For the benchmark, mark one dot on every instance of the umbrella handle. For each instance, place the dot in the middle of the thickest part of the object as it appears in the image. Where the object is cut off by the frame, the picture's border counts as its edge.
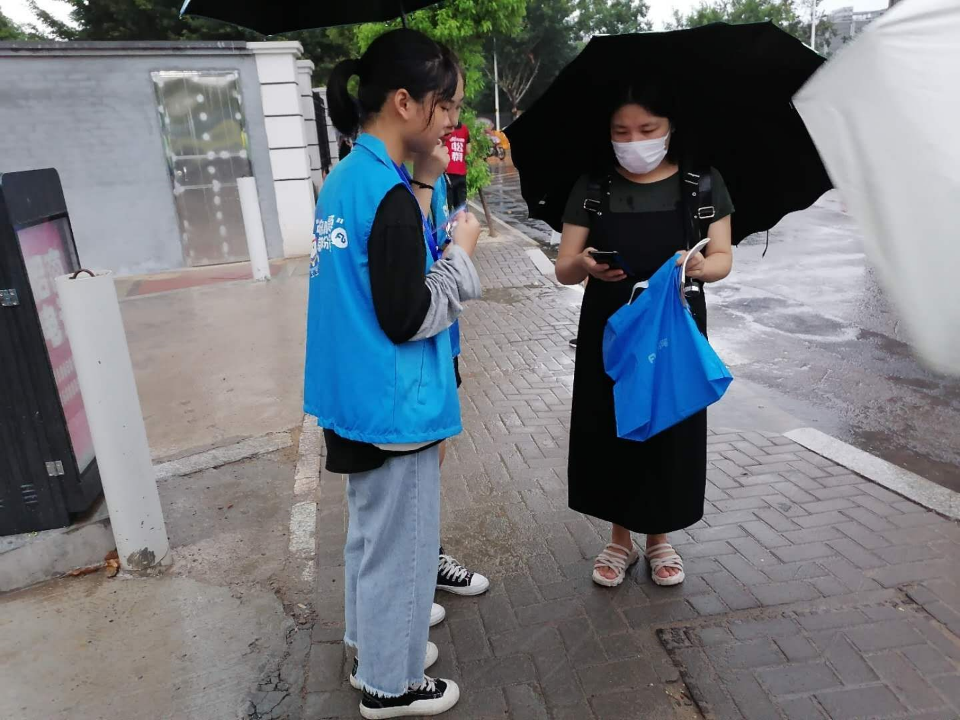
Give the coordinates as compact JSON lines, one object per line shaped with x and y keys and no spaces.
{"x":683,"y":269}
{"x":696,"y":248}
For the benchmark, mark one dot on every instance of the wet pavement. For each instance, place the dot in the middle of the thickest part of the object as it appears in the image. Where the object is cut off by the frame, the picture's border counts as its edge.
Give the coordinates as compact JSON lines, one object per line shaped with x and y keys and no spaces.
{"x":810,"y":325}
{"x":224,"y":632}
{"x":810,"y":592}
{"x":506,"y":203}
{"x":207,"y":640}
{"x":217,"y":359}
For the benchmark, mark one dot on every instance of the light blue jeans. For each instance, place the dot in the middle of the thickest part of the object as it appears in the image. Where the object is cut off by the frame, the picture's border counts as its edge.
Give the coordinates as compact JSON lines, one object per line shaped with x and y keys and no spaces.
{"x":390,"y":564}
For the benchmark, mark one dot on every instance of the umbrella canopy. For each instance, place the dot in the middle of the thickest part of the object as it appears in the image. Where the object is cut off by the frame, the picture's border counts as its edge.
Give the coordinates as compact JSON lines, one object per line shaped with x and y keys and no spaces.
{"x":271,"y":18}
{"x":885,"y":115}
{"x":731,"y":86}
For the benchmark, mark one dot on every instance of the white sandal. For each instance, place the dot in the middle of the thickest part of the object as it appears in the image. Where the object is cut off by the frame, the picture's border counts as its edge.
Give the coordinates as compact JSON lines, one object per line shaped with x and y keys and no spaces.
{"x":664,"y":556}
{"x":616,"y":561}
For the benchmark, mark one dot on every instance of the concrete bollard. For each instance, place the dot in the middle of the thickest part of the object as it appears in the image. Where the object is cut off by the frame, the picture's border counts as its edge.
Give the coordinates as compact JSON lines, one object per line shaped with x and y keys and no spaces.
{"x":91,"y":317}
{"x":253,"y":226}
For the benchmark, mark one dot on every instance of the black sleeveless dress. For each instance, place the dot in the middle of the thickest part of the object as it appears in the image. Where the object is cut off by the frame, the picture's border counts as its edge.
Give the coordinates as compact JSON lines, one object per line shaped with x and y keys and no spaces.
{"x":650,"y":487}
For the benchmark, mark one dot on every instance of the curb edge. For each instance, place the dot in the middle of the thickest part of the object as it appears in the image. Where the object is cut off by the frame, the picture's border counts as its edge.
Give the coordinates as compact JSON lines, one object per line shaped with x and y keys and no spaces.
{"x":913,"y":487}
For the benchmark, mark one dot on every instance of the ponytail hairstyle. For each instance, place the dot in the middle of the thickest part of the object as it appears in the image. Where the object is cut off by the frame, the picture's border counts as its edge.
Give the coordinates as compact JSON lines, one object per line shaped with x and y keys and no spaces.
{"x":400,"y":59}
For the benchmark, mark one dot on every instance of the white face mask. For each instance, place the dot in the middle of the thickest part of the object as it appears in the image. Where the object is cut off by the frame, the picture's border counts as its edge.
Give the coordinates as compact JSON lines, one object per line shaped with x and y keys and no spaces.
{"x":641,"y":156}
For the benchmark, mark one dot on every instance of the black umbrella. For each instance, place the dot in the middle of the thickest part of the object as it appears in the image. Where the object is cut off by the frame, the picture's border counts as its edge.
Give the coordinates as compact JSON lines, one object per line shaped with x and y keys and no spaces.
{"x":732,"y":87}
{"x":271,"y":18}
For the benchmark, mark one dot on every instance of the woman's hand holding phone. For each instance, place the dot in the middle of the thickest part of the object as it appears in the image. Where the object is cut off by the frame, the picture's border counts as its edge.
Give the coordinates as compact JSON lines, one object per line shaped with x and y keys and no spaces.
{"x":600,"y":271}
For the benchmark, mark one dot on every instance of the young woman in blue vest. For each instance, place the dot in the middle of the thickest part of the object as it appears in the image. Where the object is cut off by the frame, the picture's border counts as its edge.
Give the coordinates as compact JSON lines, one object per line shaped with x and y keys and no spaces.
{"x":379,"y":375}
{"x":452,"y":577}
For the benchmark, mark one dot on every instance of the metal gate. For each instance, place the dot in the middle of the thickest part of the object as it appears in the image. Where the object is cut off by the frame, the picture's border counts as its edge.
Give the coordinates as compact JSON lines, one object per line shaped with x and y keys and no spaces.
{"x":205,"y":142}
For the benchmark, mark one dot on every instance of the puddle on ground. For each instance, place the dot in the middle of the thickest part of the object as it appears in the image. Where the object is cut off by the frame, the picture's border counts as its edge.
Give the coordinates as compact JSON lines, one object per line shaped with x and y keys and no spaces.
{"x":514,"y":295}
{"x":502,"y":296}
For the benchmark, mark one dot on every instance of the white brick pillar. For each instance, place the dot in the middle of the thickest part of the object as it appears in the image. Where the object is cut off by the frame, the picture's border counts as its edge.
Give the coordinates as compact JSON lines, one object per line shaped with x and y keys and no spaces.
{"x":287,"y":140}
{"x":304,"y":77}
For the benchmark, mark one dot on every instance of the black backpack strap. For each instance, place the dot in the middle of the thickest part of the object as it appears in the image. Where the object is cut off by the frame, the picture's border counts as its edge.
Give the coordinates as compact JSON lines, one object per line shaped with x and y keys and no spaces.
{"x":697,"y":191}
{"x":597,"y":199}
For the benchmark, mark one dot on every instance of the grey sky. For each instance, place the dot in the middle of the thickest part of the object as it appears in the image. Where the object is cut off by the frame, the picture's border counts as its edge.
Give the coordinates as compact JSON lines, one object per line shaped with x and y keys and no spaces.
{"x":19,"y":11}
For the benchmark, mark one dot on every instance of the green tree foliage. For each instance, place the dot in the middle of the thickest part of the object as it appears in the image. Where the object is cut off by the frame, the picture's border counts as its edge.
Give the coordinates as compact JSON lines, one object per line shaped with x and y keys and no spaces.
{"x":826,"y":31}
{"x":779,"y":12}
{"x":463,"y":26}
{"x":9,"y":30}
{"x":325,"y":47}
{"x":531,"y":58}
{"x":133,"y":20}
{"x":478,"y":171}
{"x":611,"y":17}
{"x":551,"y":36}
{"x":793,"y":17}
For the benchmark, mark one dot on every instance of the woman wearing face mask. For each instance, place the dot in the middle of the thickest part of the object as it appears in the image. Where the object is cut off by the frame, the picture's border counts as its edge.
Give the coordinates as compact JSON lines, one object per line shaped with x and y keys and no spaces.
{"x":634,"y":207}
{"x":378,"y":374}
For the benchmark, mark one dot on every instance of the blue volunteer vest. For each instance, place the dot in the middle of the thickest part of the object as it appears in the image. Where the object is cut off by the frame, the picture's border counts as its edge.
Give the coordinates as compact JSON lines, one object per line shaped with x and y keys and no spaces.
{"x":357,"y":382}
{"x":440,"y":214}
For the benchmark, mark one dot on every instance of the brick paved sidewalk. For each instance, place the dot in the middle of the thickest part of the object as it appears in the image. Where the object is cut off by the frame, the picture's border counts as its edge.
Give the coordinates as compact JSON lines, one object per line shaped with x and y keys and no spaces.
{"x":810,"y":592}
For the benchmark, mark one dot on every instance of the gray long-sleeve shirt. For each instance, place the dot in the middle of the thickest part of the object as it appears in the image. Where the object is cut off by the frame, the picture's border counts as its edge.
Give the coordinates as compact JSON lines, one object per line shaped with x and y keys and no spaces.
{"x":410,"y":303}
{"x":452,"y":280}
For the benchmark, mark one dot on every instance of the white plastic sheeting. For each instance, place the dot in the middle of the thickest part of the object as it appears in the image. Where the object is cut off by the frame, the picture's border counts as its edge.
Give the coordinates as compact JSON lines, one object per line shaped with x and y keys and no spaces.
{"x":885,"y":116}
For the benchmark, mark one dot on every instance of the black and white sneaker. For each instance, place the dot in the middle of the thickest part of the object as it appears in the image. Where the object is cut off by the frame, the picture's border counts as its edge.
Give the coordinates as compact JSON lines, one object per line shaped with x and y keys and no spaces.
{"x":433,"y":652}
{"x":455,"y":578}
{"x":429,"y":697}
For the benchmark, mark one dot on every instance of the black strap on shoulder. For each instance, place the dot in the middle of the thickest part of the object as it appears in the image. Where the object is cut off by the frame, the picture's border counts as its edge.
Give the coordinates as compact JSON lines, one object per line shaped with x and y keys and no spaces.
{"x":592,"y":200}
{"x":597,"y":199}
{"x":696,"y":199}
{"x":696,"y":191}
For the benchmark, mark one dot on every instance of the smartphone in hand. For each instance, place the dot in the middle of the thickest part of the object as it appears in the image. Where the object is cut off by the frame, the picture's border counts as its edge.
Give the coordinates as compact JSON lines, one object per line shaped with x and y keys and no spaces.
{"x":453,"y":218}
{"x":611,"y":258}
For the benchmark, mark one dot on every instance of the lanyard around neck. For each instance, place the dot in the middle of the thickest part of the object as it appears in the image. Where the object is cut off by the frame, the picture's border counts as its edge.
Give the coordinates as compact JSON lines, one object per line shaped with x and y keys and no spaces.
{"x":428,"y":231}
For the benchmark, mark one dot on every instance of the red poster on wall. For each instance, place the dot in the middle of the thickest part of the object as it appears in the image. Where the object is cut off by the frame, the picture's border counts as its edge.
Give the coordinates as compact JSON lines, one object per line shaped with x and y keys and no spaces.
{"x":44,"y":249}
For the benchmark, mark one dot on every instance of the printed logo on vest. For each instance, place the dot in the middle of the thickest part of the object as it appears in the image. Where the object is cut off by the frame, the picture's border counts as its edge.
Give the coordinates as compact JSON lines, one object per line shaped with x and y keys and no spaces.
{"x":327,"y":234}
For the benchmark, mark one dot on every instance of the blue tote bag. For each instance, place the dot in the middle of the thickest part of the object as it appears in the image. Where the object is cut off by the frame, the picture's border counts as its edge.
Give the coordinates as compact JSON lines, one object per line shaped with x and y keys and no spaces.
{"x":663,"y":368}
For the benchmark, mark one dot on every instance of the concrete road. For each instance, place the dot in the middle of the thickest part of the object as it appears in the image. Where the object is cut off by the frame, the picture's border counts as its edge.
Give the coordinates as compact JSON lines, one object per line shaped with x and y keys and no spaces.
{"x":809,"y":325}
{"x":211,"y":639}
{"x":224,"y":633}
{"x":215,"y":361}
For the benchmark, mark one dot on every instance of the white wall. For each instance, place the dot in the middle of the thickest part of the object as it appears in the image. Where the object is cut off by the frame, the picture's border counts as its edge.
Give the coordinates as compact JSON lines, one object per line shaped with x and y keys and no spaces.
{"x":304,"y":76}
{"x":283,"y":111}
{"x":89,"y":110}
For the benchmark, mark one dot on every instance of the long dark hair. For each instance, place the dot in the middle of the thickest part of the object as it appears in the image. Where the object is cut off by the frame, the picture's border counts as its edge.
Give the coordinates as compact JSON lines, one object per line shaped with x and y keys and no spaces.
{"x":400,"y":59}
